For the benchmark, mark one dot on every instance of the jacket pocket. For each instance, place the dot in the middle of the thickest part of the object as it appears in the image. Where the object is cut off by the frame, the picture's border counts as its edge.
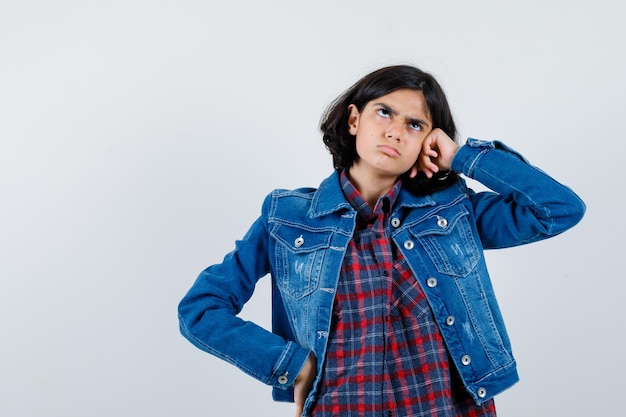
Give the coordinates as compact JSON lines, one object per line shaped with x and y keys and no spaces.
{"x":299,"y":258}
{"x":447,"y":238}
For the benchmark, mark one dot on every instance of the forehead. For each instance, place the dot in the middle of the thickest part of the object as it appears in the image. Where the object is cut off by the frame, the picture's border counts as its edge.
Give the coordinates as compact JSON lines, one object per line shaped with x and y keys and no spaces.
{"x":404,"y":100}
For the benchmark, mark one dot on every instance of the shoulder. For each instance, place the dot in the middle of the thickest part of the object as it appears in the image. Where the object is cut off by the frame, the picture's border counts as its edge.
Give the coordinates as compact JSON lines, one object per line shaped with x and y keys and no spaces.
{"x":285,"y":203}
{"x":294,"y":196}
{"x":325,"y":197}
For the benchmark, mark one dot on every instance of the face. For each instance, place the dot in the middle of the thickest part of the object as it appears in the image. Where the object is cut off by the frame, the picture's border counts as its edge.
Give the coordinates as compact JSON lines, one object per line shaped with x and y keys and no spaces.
{"x":389,"y":133}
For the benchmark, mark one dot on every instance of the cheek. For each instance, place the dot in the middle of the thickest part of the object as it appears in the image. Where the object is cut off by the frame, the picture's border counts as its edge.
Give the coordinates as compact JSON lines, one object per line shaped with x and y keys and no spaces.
{"x":412,"y":153}
{"x":364,"y":138}
{"x":358,"y":144}
{"x":416,"y":148}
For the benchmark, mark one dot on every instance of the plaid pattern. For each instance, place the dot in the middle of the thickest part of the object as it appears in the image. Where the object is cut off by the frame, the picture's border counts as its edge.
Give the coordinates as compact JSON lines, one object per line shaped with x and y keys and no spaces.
{"x":386,"y":356}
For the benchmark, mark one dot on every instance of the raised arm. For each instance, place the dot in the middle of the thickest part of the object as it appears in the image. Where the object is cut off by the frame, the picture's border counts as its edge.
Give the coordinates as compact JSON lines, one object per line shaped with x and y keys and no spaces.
{"x":526,"y":204}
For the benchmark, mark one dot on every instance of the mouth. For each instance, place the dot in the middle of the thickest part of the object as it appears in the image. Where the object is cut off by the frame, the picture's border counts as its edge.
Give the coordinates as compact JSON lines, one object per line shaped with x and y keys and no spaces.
{"x":389,"y":150}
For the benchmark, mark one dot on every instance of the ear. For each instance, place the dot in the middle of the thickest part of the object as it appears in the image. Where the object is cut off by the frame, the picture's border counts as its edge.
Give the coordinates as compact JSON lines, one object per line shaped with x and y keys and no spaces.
{"x":353,"y":119}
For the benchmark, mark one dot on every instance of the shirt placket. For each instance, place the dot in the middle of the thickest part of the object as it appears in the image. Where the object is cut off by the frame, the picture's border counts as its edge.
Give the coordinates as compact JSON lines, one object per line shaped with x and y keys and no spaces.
{"x":381,"y":247}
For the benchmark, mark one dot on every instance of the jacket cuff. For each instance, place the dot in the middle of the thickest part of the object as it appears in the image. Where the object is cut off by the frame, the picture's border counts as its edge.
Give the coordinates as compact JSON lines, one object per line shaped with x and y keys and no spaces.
{"x":289,"y":366}
{"x":469,"y":154}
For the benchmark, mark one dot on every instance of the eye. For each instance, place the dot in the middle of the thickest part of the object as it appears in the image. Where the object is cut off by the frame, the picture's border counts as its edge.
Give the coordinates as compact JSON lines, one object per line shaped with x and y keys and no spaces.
{"x":415,"y":126}
{"x":382,"y":112}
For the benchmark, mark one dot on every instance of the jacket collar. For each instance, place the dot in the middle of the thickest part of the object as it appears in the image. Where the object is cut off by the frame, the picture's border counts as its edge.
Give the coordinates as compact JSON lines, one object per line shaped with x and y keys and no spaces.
{"x":329,"y":198}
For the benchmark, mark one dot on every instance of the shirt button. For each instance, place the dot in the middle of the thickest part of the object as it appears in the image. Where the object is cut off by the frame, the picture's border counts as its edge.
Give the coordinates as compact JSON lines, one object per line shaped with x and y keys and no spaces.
{"x":482,"y":393}
{"x":408,"y":245}
{"x":395,"y":222}
{"x":450,"y":320}
{"x":431,"y":282}
{"x":441,"y":222}
{"x":466,"y":360}
{"x":298,"y":242}
{"x":283,"y":379}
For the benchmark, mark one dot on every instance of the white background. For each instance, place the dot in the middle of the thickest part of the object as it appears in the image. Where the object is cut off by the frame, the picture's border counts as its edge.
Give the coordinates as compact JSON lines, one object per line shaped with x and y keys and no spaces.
{"x":138,"y":138}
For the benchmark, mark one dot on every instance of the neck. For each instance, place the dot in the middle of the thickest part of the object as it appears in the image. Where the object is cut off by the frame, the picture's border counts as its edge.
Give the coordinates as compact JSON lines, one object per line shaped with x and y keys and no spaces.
{"x":371,"y":187}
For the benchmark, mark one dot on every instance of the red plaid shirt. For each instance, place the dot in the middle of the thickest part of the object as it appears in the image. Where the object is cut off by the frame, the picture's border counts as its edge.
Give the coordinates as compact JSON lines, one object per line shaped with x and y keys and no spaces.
{"x":385,"y":355}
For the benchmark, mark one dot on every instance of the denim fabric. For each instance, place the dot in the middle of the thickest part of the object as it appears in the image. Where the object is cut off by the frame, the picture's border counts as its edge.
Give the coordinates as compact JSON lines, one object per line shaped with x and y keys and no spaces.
{"x":300,"y":240}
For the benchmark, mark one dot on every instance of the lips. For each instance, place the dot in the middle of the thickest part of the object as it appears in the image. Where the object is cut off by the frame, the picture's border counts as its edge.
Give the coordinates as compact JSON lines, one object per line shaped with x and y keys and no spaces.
{"x":389,"y":150}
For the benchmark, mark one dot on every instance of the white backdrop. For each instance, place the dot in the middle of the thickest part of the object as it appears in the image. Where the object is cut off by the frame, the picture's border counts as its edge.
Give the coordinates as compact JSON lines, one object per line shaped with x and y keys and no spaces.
{"x":138,"y":138}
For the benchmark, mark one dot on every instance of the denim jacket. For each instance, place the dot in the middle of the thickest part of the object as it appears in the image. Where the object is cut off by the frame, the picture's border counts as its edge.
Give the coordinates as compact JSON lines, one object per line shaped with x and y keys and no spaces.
{"x":300,"y":240}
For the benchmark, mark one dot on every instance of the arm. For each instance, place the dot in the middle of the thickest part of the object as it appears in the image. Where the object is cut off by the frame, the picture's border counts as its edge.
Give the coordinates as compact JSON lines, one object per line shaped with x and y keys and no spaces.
{"x":208,"y":315}
{"x":526,"y":204}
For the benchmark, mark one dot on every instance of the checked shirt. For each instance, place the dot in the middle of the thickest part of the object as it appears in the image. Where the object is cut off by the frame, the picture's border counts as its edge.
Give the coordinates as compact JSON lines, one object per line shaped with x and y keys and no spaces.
{"x":386,"y":356}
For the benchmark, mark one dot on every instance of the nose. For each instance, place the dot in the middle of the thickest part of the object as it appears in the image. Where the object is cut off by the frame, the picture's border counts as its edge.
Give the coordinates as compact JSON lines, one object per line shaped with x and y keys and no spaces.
{"x":394,"y":131}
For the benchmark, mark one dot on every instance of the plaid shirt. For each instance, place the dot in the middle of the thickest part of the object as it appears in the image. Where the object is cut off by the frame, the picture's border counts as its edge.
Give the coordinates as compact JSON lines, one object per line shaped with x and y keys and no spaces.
{"x":385,"y":355}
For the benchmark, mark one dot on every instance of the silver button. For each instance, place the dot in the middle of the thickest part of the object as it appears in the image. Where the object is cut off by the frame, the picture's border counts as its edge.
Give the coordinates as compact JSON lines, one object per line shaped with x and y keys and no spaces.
{"x":395,"y":222}
{"x":431,"y":282}
{"x":299,"y":241}
{"x":408,"y":245}
{"x":441,"y":222}
{"x":482,"y":393}
{"x":450,"y":320}
{"x":283,"y":379}
{"x":466,"y":360}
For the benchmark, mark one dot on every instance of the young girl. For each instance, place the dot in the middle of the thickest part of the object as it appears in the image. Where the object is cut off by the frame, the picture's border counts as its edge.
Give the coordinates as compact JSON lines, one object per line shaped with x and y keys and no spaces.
{"x":382,"y":304}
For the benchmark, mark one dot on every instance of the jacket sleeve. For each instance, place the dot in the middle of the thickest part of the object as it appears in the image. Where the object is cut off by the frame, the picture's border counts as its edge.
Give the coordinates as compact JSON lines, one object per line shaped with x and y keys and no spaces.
{"x":524,"y":205}
{"x":208,"y":314}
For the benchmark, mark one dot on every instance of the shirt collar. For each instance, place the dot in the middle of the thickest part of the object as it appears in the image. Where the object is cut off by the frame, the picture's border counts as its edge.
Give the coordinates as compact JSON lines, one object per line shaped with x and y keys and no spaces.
{"x":356,"y":200}
{"x":330,"y":198}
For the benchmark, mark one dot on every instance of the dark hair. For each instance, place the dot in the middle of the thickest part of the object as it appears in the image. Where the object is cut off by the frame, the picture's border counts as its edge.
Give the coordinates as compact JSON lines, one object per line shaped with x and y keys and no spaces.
{"x":342,"y":144}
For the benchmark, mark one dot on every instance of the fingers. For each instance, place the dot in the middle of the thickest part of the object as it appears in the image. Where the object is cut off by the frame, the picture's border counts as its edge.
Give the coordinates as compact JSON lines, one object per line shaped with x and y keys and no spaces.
{"x":299,"y":402}
{"x":428,"y":155}
{"x":438,"y":150}
{"x":304,"y":383}
{"x":299,"y":398}
{"x":427,"y":166}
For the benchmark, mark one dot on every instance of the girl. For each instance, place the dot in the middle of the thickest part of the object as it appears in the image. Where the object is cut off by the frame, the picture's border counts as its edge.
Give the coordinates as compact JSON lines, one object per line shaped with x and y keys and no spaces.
{"x":382,"y":304}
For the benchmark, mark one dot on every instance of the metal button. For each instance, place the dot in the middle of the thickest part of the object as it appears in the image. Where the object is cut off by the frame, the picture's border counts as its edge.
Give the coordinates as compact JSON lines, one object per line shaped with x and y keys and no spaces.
{"x":482,"y":393}
{"x":395,"y":222}
{"x":441,"y":222}
{"x":431,"y":282}
{"x":450,"y":320}
{"x":466,"y":360}
{"x":408,"y":245}
{"x":299,"y":241}
{"x":283,"y":379}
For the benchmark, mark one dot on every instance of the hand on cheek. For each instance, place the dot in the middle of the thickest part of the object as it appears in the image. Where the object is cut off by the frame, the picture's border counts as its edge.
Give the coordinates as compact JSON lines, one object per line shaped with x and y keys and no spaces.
{"x":438,"y":150}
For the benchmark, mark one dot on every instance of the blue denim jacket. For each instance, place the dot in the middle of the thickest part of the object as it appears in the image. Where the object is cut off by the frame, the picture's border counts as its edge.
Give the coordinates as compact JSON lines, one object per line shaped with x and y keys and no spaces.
{"x":300,"y":240}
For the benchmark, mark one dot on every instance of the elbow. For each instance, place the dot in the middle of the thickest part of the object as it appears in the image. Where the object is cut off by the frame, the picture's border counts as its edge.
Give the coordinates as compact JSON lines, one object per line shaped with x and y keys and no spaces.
{"x":190,"y":324}
{"x":189,"y":317}
{"x":201,"y":317}
{"x":570,"y":214}
{"x":578,"y":212}
{"x":184,"y":322}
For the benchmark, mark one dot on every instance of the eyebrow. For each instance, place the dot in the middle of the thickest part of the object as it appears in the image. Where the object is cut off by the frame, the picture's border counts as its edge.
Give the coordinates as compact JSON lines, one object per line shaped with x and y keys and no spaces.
{"x":395,"y":113}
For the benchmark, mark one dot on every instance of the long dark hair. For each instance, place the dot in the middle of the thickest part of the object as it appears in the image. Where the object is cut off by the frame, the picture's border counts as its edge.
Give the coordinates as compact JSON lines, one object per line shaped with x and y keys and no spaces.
{"x":342,"y":145}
